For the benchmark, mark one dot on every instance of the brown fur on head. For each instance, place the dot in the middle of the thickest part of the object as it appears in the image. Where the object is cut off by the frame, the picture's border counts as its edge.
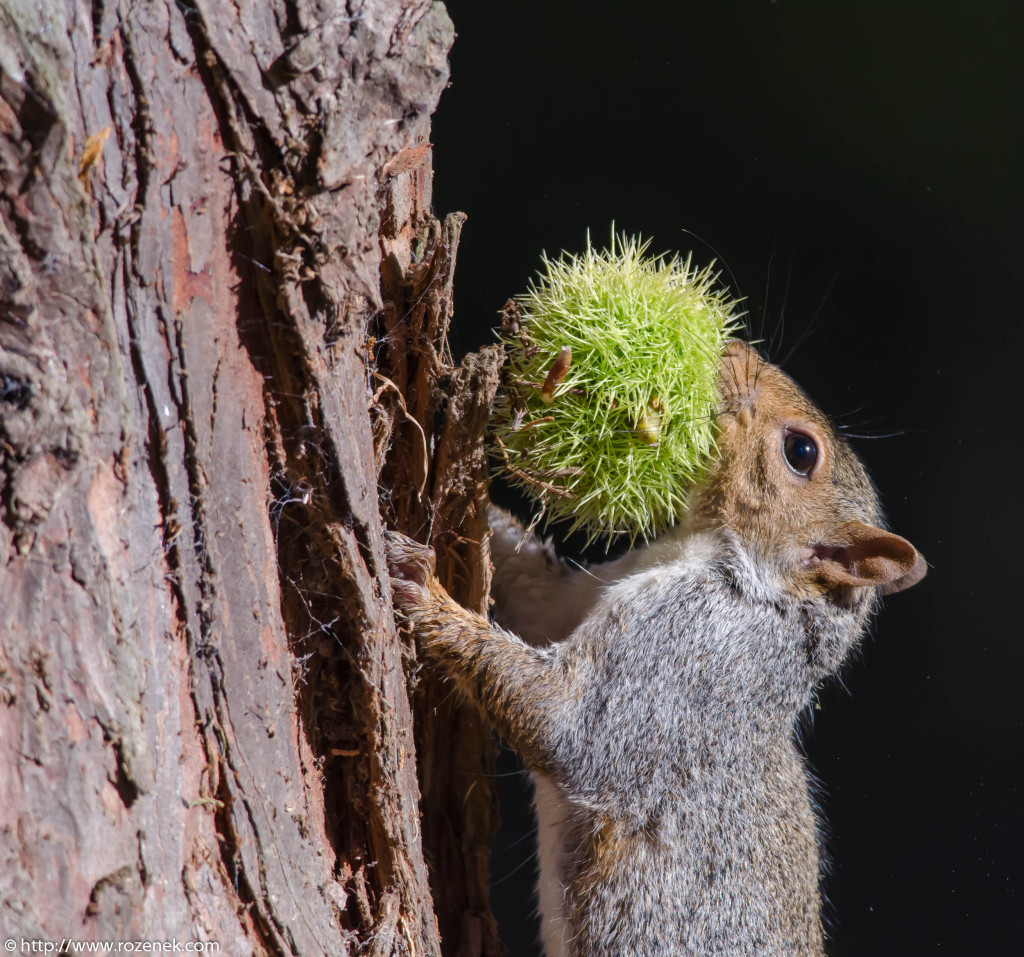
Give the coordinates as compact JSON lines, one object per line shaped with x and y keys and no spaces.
{"x":820,"y":525}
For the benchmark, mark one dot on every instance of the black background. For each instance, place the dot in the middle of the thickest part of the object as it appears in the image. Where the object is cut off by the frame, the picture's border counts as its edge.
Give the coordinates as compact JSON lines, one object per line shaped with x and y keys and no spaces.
{"x":857,"y":168}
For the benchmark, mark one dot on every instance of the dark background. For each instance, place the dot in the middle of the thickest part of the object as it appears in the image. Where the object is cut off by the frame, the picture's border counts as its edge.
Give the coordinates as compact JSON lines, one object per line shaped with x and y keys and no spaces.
{"x":857,"y":167}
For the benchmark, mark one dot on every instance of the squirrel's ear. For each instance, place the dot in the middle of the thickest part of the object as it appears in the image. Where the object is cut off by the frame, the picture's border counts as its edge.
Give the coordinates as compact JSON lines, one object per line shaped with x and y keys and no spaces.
{"x":862,"y":555}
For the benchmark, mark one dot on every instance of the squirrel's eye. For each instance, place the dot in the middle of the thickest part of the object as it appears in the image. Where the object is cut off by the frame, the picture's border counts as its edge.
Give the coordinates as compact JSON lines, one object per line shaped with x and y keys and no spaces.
{"x":801,"y":452}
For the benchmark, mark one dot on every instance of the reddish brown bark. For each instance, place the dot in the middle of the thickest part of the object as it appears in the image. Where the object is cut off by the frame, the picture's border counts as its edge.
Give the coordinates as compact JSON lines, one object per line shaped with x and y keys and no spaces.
{"x":205,"y":724}
{"x":436,"y":481}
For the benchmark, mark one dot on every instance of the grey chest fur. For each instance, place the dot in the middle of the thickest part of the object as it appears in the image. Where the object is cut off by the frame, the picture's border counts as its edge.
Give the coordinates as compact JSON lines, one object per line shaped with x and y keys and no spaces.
{"x":677,"y":818}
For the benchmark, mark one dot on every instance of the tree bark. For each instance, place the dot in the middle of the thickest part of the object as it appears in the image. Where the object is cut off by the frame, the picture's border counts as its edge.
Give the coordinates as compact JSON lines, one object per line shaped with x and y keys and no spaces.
{"x":223,"y":305}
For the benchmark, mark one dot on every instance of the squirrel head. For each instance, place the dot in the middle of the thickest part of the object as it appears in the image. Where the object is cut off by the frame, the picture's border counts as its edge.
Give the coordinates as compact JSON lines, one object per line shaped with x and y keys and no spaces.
{"x":793,"y":491}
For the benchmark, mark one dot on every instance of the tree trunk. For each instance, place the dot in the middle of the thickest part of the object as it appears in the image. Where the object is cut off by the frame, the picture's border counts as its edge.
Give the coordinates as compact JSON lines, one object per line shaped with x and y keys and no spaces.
{"x":223,"y":306}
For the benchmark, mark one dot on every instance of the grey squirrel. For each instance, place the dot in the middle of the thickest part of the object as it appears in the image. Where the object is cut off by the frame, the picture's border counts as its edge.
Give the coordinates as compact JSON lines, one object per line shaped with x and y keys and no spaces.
{"x":657,"y":698}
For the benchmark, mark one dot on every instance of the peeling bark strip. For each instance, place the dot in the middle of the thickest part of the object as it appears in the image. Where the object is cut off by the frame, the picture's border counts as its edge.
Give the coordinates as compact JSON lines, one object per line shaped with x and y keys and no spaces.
{"x":205,"y":729}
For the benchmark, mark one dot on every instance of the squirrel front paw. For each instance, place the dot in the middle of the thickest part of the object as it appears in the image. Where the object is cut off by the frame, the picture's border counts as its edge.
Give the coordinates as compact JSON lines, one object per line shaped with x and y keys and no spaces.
{"x":411,"y":566}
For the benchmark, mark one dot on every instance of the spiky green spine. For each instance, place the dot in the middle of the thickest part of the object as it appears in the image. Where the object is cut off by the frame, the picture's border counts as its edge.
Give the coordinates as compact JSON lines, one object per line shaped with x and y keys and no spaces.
{"x":631,"y":428}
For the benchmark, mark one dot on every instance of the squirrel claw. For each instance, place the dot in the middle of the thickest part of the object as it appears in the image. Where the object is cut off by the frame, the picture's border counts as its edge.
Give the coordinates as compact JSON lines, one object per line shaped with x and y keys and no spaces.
{"x":408,"y":560}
